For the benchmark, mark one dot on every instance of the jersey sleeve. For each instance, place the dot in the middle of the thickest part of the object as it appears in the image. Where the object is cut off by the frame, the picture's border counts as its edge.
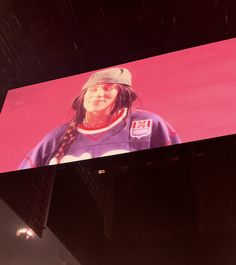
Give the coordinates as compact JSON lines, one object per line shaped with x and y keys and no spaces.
{"x":41,"y":154}
{"x":163,"y":134}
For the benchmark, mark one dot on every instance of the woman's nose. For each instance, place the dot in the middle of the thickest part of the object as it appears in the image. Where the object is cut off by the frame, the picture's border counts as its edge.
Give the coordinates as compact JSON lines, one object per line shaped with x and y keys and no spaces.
{"x":100,"y":92}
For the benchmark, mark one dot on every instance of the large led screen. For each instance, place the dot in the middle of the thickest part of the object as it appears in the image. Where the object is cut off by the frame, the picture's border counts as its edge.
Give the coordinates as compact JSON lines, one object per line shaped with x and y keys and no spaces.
{"x":169,"y":99}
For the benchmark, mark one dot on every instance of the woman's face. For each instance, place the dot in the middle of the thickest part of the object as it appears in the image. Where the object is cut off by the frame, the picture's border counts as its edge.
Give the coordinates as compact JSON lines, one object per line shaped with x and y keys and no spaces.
{"x":100,"y":97}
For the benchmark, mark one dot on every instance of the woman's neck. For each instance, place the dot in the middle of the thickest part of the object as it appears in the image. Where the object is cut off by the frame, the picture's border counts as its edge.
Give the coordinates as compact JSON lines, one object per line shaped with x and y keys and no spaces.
{"x":96,"y":119}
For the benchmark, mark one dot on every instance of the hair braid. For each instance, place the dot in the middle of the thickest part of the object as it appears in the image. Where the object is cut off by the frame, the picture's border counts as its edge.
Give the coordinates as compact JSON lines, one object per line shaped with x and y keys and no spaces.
{"x":67,"y":140}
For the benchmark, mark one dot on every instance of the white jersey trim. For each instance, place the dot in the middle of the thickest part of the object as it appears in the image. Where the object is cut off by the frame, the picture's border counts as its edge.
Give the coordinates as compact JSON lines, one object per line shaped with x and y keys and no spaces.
{"x":110,"y":126}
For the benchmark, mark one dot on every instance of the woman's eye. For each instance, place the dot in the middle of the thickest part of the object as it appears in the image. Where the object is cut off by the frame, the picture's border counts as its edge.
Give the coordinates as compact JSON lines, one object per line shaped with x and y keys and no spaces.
{"x":109,"y":87}
{"x":92,"y":90}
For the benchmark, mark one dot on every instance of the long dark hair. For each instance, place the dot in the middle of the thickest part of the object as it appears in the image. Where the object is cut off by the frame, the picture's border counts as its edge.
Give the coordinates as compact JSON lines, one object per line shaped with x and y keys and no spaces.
{"x":125,"y":98}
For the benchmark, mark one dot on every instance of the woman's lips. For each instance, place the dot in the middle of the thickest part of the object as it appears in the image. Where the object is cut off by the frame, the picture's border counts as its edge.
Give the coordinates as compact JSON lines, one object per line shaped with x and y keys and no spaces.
{"x":98,"y":101}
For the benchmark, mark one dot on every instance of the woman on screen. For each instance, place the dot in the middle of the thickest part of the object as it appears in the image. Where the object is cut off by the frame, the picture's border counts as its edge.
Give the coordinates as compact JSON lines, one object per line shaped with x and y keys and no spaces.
{"x":104,"y":123}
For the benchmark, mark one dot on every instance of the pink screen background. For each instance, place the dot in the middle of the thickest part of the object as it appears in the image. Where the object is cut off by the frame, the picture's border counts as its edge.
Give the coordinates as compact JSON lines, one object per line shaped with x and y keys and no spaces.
{"x":193,"y":89}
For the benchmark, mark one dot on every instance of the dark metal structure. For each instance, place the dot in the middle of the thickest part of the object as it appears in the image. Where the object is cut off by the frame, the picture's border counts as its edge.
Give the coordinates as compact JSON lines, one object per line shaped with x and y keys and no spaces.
{"x":172,"y":205}
{"x":166,"y":205}
{"x":41,"y":41}
{"x":29,"y":195}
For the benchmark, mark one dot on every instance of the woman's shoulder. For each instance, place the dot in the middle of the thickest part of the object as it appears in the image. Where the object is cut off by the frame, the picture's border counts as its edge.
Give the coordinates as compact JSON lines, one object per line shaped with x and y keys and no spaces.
{"x":144,"y":115}
{"x":56,"y":133}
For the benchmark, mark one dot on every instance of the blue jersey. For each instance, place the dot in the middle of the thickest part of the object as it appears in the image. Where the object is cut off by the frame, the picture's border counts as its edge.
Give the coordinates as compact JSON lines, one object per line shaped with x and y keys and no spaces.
{"x":138,"y":130}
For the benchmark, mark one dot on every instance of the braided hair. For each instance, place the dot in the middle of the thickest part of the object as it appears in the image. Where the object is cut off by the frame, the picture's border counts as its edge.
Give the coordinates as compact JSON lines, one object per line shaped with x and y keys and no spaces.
{"x":125,"y":98}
